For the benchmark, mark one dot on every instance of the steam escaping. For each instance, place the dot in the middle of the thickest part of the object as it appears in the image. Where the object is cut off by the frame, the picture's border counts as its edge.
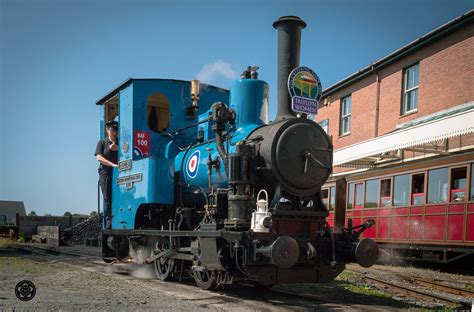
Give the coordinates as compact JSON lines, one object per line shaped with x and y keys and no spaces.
{"x":218,"y":68}
{"x":143,"y":271}
{"x":134,"y":265}
{"x":139,"y":269}
{"x":139,"y":253}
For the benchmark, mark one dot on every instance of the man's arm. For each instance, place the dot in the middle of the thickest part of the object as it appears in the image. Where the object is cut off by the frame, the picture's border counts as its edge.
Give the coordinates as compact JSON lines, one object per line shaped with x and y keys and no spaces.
{"x":104,"y":161}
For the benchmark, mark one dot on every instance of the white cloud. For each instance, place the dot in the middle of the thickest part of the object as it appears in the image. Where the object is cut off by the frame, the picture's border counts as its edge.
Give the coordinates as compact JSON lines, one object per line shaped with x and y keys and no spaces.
{"x":210,"y":72}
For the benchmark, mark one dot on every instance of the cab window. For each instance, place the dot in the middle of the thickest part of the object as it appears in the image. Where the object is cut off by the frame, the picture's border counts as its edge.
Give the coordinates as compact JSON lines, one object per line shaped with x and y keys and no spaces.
{"x":158,"y":112}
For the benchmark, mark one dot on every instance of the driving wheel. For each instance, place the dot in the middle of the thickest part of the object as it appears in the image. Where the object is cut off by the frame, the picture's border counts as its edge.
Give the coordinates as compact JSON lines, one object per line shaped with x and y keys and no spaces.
{"x":163,"y":266}
{"x":205,"y":279}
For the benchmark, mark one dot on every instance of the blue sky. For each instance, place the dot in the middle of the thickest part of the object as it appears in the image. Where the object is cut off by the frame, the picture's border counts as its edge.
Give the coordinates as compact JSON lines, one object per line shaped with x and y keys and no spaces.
{"x":58,"y":57}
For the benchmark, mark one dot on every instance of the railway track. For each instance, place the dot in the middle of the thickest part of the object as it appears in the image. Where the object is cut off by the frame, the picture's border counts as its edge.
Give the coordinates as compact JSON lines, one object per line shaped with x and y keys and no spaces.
{"x":437,"y":283}
{"x":422,"y":295}
{"x":434,"y":284}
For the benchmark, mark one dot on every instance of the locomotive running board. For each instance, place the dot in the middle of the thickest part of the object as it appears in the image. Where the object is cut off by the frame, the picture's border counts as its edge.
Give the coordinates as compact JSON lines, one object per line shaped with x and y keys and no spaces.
{"x":230,"y":235}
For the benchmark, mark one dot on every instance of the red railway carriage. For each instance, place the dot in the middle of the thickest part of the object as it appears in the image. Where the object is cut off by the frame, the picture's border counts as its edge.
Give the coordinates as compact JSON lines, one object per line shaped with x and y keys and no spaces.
{"x":422,"y":211}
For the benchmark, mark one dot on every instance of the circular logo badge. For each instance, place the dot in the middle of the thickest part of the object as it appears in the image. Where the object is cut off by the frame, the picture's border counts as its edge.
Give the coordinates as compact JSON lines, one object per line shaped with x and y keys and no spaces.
{"x":192,"y":165}
{"x":304,"y":82}
{"x":125,"y":146}
{"x":25,"y":290}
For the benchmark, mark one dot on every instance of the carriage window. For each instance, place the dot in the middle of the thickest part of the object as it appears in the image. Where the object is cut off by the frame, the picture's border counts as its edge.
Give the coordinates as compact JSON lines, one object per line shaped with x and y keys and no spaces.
{"x":158,"y":112}
{"x":418,"y":189}
{"x":371,"y":193}
{"x":359,"y":195}
{"x":437,"y":186}
{"x":385,"y":193}
{"x":401,"y":190}
{"x":458,"y":184}
{"x":324,"y":196}
{"x":332,"y":197}
{"x":472,"y":182}
{"x":350,"y":196}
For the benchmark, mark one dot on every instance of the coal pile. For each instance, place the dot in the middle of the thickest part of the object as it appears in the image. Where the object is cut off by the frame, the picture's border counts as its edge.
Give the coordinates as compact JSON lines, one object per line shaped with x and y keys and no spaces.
{"x":79,"y":233}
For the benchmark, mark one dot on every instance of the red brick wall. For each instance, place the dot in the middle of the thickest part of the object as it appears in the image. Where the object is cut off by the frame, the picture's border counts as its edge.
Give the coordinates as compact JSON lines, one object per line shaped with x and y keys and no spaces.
{"x":446,"y":80}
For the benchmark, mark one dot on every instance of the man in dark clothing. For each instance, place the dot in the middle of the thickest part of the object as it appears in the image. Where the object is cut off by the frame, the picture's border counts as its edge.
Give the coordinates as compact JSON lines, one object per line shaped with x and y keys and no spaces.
{"x":106,"y":153}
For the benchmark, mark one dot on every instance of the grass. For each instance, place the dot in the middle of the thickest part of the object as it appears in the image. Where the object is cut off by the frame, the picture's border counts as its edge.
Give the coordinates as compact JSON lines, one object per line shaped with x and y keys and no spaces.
{"x":21,"y":265}
{"x":366,"y":290}
{"x":346,"y":275}
{"x":470,"y":287}
{"x":5,"y":242}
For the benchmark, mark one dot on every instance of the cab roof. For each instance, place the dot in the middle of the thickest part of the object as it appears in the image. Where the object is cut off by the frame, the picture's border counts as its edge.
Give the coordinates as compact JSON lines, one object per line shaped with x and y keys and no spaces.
{"x":130,"y":80}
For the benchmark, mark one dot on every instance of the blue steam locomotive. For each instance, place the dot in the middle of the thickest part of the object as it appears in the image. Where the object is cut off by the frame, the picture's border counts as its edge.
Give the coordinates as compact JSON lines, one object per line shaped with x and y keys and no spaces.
{"x":207,"y":187}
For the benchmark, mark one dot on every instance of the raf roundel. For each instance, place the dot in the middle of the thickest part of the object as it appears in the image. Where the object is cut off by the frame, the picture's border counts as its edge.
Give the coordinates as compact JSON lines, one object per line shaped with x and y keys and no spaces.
{"x":193,"y":164}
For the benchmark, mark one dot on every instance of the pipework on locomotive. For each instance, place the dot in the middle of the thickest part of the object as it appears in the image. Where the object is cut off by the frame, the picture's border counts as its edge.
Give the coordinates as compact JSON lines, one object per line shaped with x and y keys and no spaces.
{"x":208,"y":188}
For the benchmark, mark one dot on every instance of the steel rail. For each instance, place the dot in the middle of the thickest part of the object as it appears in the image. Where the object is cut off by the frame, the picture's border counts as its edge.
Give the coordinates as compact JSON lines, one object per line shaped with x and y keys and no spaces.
{"x":450,"y":289}
{"x":416,"y":293}
{"x":412,"y":292}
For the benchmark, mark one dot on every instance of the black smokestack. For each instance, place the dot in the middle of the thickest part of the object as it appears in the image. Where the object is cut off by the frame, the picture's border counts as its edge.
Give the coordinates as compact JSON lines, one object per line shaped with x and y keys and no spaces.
{"x":289,"y":44}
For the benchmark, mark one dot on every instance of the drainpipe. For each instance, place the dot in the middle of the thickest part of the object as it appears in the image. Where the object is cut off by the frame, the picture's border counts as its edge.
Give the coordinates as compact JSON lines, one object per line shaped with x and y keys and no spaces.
{"x":377,"y":101}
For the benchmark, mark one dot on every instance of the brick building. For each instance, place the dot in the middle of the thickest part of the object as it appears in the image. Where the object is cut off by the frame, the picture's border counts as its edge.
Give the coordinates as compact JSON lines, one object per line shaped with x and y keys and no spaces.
{"x":403,"y":136}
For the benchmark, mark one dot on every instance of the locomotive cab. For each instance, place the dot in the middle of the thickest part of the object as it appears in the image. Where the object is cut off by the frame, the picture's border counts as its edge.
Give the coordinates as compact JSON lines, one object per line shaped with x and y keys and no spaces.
{"x":151,"y":114}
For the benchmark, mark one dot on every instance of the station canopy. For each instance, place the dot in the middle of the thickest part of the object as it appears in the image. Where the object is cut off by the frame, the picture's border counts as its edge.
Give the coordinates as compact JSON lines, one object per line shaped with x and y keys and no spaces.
{"x":419,"y":135}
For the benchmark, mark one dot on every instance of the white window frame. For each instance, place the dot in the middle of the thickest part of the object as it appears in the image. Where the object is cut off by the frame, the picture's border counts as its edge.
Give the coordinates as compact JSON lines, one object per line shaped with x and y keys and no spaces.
{"x":407,"y":92}
{"x":325,"y":128}
{"x":345,"y":116}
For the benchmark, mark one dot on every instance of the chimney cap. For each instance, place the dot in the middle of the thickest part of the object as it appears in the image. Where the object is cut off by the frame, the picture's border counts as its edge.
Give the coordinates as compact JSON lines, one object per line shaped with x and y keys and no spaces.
{"x":289,"y":18}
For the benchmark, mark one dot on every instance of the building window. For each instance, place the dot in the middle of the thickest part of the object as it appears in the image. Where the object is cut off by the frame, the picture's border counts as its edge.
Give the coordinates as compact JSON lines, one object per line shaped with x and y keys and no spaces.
{"x":418,"y":189}
{"x":345,"y":124}
{"x":324,"y":124}
{"x":386,"y":193}
{"x":410,"y":90}
{"x":458,"y":184}
{"x":401,"y":190}
{"x":332,"y":197}
{"x":350,"y":196}
{"x":371,"y":193}
{"x":437,"y":186}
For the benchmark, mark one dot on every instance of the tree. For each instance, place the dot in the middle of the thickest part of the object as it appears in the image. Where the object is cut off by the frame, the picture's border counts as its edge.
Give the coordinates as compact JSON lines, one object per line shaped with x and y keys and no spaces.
{"x":48,"y":215}
{"x":93,"y":214}
{"x":67,"y":214}
{"x":32,"y":213}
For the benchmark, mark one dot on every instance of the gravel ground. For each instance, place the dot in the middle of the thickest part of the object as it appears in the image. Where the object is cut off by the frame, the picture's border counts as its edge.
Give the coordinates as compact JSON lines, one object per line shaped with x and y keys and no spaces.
{"x":66,"y":283}
{"x":62,"y":287}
